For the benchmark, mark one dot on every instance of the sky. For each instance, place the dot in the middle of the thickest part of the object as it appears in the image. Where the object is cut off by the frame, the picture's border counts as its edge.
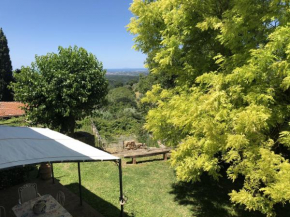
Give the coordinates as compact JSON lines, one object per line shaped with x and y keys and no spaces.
{"x":38,"y":27}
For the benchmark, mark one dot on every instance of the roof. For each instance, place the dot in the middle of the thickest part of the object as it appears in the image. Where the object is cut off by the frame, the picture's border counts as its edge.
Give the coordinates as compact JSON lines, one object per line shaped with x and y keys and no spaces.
{"x":11,"y":109}
{"x":28,"y":145}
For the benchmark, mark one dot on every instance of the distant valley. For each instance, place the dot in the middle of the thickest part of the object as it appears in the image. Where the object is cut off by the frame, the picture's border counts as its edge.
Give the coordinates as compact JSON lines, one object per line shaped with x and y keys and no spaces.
{"x":127,"y":71}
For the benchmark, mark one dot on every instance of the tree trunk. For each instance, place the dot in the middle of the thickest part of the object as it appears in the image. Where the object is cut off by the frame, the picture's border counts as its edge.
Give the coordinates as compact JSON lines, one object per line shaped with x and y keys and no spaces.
{"x":68,"y":125}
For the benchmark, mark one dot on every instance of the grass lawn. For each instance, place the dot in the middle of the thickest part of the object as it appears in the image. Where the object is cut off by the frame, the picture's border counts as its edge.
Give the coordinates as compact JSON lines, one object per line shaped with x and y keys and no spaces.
{"x":147,"y":186}
{"x":151,"y":188}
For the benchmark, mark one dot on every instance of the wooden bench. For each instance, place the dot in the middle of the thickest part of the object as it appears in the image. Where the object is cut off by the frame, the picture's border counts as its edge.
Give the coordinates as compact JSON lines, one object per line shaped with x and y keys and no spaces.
{"x":147,"y":153}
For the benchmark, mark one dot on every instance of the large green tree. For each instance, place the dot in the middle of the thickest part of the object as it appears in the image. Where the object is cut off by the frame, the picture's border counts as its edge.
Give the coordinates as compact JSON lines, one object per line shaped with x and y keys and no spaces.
{"x":229,"y":106}
{"x":5,"y":69}
{"x":60,"y":88}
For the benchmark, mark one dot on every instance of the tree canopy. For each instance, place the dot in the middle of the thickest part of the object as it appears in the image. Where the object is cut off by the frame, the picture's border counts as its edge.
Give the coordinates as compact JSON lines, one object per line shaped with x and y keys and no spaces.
{"x":228,"y":106}
{"x":60,"y":88}
{"x":122,"y":96}
{"x":5,"y":69}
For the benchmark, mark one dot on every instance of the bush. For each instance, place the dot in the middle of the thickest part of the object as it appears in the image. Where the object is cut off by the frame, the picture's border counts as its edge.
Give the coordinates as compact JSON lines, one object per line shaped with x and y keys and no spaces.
{"x":15,"y":176}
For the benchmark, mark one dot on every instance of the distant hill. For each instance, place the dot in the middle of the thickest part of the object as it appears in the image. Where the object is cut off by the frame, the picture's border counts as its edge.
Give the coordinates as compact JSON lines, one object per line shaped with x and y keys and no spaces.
{"x":128,"y":71}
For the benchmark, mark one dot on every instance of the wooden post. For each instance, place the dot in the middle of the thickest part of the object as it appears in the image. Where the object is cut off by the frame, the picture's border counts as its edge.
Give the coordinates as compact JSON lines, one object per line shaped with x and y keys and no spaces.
{"x":134,"y":160}
{"x":165,"y":156}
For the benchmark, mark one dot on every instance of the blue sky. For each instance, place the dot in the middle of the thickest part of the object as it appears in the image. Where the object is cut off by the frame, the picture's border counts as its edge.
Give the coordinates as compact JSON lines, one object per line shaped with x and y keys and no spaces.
{"x":40,"y":26}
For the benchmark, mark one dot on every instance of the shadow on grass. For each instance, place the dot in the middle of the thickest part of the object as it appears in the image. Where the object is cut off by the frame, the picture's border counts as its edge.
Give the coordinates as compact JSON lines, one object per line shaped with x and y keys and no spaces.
{"x":102,"y":206}
{"x":282,"y":211}
{"x":209,"y":198}
{"x":144,"y":161}
{"x":141,"y":160}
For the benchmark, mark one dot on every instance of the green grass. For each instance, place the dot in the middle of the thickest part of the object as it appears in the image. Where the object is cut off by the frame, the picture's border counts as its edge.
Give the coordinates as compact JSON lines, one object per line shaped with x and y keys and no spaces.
{"x":147,"y":186}
{"x":151,"y":188}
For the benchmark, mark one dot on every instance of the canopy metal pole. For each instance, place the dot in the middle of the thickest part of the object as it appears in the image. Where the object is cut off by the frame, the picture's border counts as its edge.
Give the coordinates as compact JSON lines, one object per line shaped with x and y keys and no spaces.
{"x":51,"y":165}
{"x":80,"y":184}
{"x":121,"y":188}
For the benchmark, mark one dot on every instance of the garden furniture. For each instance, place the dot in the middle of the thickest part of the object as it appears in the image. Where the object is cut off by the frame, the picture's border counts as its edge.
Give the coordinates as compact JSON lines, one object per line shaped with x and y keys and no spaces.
{"x":60,"y":197}
{"x":27,"y":192}
{"x":134,"y":155}
{"x":52,"y":208}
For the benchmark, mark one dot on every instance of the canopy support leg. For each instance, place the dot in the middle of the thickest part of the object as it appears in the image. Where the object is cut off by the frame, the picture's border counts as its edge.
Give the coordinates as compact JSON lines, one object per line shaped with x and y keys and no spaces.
{"x":51,"y":165}
{"x":80,"y":184}
{"x":121,"y":188}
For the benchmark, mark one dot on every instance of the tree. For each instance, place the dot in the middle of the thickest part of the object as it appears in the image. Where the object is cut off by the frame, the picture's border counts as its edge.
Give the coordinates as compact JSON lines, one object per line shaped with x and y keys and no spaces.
{"x":5,"y":69}
{"x":60,"y":88}
{"x":118,"y":84}
{"x":122,"y":97}
{"x":229,"y":105}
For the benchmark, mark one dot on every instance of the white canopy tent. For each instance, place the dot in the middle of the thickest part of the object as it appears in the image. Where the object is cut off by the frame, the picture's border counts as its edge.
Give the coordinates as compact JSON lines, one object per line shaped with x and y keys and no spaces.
{"x":28,"y":145}
{"x":20,"y":146}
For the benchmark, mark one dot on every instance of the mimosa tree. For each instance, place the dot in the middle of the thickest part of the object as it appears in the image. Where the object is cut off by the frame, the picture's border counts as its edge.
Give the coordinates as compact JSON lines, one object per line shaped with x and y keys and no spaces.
{"x":229,"y":106}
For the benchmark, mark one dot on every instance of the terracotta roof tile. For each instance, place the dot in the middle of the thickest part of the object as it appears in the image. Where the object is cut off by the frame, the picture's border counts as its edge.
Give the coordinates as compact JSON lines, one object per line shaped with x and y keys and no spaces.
{"x":11,"y":109}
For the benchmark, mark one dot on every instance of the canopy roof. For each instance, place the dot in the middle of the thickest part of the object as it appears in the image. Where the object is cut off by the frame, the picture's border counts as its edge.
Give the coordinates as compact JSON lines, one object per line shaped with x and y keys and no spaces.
{"x":30,"y":145}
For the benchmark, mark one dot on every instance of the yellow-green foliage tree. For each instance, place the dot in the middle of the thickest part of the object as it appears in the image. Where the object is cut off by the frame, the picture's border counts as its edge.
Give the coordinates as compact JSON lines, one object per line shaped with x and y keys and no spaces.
{"x":230,"y":102}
